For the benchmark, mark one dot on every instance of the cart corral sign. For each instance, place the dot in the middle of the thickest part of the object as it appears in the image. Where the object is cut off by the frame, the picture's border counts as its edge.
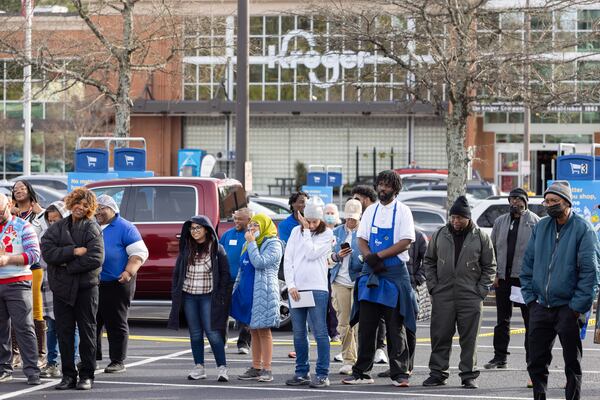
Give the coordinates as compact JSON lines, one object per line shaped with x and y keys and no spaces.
{"x":519,"y":108}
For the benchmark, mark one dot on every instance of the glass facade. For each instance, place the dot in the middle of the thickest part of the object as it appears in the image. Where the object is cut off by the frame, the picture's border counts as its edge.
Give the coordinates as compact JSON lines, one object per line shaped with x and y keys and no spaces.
{"x":291,"y":58}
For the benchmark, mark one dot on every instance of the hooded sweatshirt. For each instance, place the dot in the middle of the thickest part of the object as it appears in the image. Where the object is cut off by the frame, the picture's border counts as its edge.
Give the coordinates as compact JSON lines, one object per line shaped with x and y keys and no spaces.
{"x":221,"y":293}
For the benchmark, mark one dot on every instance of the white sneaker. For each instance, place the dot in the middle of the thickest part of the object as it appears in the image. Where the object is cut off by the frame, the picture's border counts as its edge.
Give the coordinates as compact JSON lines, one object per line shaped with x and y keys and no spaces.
{"x":338,"y":357}
{"x":380,"y":357}
{"x":197,"y":373}
{"x":346,"y":370}
{"x":222,"y":374}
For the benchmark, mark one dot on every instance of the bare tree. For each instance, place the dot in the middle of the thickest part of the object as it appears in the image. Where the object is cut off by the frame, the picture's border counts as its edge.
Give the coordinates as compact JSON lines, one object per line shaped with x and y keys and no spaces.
{"x":457,"y":54}
{"x":118,"y":39}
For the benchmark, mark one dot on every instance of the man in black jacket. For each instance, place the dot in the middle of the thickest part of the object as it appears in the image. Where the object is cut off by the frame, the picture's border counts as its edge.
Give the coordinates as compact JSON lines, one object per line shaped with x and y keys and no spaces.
{"x":73,"y":248}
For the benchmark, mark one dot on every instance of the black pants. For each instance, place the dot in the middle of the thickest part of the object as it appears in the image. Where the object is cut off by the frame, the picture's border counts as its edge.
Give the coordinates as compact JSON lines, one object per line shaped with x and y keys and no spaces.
{"x":381,"y":334}
{"x":398,"y":354}
{"x":544,"y":325}
{"x":244,"y":338}
{"x":113,"y":311}
{"x":411,"y":341}
{"x":504,"y":310}
{"x":82,"y":314}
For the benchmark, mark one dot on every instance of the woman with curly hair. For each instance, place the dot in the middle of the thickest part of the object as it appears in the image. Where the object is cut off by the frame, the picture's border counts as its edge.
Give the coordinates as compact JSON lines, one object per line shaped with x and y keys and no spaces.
{"x":73,"y":248}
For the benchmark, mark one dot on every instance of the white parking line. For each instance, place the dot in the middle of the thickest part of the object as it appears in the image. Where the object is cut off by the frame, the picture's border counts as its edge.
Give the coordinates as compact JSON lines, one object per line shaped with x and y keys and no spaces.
{"x":98,"y":372}
{"x":323,"y":391}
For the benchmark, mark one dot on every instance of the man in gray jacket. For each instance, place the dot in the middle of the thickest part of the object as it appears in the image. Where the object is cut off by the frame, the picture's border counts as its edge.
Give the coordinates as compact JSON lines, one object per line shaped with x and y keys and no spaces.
{"x":460,"y":269}
{"x":510,"y":236}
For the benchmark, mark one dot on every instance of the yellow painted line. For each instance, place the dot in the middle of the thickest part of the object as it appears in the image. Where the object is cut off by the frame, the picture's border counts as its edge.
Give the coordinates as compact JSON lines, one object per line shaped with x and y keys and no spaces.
{"x":176,"y":339}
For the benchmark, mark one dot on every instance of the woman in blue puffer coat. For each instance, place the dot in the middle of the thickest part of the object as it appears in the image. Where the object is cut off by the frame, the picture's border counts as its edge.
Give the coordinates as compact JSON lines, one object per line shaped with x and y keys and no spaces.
{"x":255,"y":299}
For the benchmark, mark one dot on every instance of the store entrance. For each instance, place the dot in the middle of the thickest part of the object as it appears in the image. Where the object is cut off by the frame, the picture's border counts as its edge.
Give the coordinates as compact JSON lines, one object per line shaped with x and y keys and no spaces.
{"x":541,"y":169}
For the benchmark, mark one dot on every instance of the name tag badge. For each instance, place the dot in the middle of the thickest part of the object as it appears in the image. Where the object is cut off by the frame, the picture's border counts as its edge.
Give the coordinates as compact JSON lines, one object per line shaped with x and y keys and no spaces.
{"x":233,"y":242}
{"x":374,"y":229}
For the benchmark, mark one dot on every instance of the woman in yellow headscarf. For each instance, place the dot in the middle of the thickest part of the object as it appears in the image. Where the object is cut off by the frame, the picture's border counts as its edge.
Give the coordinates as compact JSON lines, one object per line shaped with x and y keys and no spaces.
{"x":255,"y":299}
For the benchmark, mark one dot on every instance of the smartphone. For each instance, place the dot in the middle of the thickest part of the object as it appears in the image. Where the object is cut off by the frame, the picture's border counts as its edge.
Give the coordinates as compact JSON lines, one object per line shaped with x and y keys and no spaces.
{"x":344,"y":245}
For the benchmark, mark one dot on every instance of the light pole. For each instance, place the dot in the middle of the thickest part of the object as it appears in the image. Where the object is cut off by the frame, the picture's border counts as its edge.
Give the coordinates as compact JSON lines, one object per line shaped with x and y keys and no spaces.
{"x":526,"y":164}
{"x":28,"y":12}
{"x":242,"y":105}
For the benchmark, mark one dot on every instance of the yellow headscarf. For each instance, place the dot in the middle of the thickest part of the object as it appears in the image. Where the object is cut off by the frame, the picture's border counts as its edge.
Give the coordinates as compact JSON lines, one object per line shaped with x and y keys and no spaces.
{"x":267,"y":229}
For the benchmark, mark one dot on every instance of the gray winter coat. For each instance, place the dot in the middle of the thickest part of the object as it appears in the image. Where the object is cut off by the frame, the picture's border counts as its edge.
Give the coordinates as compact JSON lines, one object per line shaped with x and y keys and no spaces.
{"x":499,"y":235}
{"x":474,"y":272}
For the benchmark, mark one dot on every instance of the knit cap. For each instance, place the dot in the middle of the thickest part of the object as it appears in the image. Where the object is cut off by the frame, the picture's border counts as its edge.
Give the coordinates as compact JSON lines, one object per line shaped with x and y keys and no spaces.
{"x":314,"y":208}
{"x":519,"y":193}
{"x":562,"y":189}
{"x":461,"y":207}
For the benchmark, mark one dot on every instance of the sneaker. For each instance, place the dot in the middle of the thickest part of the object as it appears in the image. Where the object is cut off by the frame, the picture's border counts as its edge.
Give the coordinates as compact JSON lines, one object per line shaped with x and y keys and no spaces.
{"x":34,"y":380}
{"x":250,"y":374}
{"x":435,"y":381}
{"x":380,"y":357}
{"x":85,"y":384}
{"x":495,"y":363}
{"x":298,"y":380}
{"x":243,"y":350}
{"x":319,"y":382}
{"x":265,"y":376}
{"x":338,"y":357}
{"x":5,"y":377}
{"x":358,"y":380}
{"x":51,"y":371}
{"x":469,"y":383}
{"x":197,"y":373}
{"x":66,"y":383}
{"x":114,"y":367}
{"x":401,"y":382}
{"x":222,"y":374}
{"x":346,"y":370}
{"x":336,"y":338}
{"x":384,"y":374}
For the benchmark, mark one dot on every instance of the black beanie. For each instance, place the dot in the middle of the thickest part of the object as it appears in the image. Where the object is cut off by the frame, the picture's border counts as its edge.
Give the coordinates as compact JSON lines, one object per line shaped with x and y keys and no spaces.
{"x":461,"y":207}
{"x":519,"y":193}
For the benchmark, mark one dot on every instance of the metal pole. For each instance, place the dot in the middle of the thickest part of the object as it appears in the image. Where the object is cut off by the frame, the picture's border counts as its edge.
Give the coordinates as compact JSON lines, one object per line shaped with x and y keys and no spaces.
{"x":392,"y":158}
{"x":357,"y":164}
{"x":526,"y":110}
{"x":242,"y":106}
{"x":27,"y":90}
{"x":374,"y":165}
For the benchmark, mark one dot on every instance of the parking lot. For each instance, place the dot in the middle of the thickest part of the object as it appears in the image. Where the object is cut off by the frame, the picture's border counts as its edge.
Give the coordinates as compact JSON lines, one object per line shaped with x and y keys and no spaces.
{"x":159,"y":360}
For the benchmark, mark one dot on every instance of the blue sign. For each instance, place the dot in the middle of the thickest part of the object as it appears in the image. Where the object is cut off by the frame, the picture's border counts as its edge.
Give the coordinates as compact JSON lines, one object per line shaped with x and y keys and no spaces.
{"x":316,"y":179}
{"x":324,"y":192}
{"x":79,"y":179}
{"x":91,"y":160}
{"x":128,"y":159}
{"x":189,"y":161}
{"x":334,"y":179}
{"x":575,"y":167}
{"x":134,"y":174}
{"x":586,"y":199}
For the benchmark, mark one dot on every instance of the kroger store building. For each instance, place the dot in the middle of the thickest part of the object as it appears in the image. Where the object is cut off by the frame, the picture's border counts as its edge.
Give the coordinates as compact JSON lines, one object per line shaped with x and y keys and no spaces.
{"x":304,"y":108}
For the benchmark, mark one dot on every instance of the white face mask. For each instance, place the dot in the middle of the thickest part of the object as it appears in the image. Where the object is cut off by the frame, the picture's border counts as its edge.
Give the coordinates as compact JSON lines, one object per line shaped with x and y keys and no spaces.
{"x":256,"y":234}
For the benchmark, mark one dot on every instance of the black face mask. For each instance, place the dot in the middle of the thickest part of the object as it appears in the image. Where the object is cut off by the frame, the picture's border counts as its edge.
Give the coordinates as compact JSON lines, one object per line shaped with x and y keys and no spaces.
{"x":555,"y":210}
{"x":517,"y":210}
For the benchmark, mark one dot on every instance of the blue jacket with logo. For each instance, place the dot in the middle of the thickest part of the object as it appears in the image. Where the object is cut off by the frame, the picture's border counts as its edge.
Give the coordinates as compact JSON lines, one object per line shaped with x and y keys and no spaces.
{"x":561,"y":268}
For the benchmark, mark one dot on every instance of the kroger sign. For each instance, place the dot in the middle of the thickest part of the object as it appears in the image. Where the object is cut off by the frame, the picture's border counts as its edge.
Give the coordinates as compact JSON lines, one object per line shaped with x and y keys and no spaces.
{"x":332,"y":60}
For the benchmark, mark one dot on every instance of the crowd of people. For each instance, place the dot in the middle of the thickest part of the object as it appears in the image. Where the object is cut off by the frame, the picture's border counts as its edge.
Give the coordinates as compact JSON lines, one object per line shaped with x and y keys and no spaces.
{"x":365,"y":280}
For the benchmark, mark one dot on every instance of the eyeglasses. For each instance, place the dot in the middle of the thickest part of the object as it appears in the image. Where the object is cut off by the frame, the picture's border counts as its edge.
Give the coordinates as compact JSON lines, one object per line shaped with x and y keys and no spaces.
{"x":253,"y":225}
{"x":195,"y":229}
{"x":550,"y":202}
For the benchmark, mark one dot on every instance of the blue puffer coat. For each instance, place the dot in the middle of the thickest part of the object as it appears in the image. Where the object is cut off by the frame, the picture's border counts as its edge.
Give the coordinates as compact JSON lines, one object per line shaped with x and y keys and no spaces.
{"x":561,"y":269}
{"x":265,"y":300}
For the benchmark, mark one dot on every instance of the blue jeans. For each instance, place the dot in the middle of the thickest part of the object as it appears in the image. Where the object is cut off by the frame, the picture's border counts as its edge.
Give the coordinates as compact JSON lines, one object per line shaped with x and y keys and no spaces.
{"x":52,"y":342}
{"x":197,"y":309}
{"x":317,"y":318}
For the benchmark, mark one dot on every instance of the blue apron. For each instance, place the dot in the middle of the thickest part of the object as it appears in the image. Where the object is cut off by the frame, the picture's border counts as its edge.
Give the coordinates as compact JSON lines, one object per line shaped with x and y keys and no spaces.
{"x":386,"y":292}
{"x":242,"y":297}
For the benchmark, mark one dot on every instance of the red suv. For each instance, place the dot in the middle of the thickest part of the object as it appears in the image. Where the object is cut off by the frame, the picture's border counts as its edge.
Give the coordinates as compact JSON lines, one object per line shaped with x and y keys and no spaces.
{"x":159,"y":206}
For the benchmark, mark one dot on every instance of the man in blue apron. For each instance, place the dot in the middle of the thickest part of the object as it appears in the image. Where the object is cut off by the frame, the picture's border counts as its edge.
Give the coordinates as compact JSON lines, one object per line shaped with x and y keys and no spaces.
{"x":383,"y":290}
{"x":233,"y":241}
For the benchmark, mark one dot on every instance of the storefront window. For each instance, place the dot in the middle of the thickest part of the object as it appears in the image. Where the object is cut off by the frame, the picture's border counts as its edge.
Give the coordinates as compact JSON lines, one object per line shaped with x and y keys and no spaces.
{"x":509,"y":162}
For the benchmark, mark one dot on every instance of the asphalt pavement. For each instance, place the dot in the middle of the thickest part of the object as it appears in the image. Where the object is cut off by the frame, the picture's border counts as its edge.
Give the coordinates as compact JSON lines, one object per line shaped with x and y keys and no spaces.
{"x":160,"y":359}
